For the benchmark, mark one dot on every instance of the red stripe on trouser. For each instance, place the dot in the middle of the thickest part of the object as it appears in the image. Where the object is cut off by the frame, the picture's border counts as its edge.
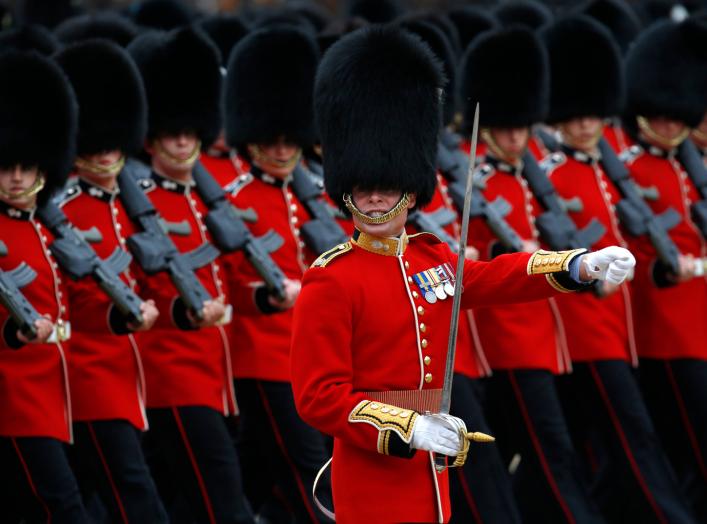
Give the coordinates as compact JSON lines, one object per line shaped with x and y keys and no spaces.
{"x":468,"y":496}
{"x":30,"y":481}
{"x":625,"y":445}
{"x":686,"y":420}
{"x":538,"y":449}
{"x":281,"y":444}
{"x":195,"y":466}
{"x":104,"y":462}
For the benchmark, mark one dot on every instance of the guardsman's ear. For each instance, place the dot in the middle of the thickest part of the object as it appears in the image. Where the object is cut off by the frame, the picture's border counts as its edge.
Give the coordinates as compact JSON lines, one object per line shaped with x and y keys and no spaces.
{"x":412,"y":197}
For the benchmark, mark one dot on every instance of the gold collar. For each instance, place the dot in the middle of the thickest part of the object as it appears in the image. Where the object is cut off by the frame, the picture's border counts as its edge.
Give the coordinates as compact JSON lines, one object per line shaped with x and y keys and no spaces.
{"x":387,"y":246}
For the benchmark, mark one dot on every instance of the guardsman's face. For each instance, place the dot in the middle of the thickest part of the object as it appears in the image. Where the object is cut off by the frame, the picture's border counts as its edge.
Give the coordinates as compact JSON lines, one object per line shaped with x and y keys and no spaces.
{"x":582,"y":133}
{"x":276,"y":159}
{"x":174,"y":155}
{"x":101,"y":160}
{"x":666,"y":127}
{"x":16,"y":181}
{"x":700,"y":133}
{"x":512,"y":141}
{"x":376,"y":203}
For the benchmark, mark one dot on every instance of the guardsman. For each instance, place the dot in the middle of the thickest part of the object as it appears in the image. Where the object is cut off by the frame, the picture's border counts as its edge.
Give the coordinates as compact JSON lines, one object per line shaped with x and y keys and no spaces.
{"x":269,"y":120}
{"x":186,"y":356}
{"x":633,"y":476}
{"x":668,"y":307}
{"x":481,"y":491}
{"x":105,"y":367}
{"x":111,"y":26}
{"x":525,"y":344}
{"x":369,"y":342}
{"x":38,"y":111}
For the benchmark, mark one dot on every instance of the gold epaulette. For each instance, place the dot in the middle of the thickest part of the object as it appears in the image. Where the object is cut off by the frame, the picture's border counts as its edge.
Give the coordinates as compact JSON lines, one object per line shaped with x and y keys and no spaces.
{"x":385,"y":417}
{"x":330,"y":255}
{"x":543,"y":262}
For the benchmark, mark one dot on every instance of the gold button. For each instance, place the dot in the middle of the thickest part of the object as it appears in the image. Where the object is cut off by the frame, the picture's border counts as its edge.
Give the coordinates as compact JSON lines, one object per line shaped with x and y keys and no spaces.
{"x":427,"y":360}
{"x":420,"y":310}
{"x":428,"y":377}
{"x":410,"y":279}
{"x":414,"y":294}
{"x":423,"y":328}
{"x":424,"y":343}
{"x":407,"y":265}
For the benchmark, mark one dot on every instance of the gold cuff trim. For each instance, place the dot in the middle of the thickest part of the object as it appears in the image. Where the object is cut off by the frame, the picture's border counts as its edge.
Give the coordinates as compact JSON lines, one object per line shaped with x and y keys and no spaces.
{"x":385,"y":417}
{"x":384,"y":442}
{"x":543,"y":262}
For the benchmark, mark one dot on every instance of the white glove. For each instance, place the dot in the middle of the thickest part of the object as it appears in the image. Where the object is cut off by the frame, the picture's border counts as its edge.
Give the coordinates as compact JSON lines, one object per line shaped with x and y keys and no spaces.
{"x":612,"y":264}
{"x":438,"y":433}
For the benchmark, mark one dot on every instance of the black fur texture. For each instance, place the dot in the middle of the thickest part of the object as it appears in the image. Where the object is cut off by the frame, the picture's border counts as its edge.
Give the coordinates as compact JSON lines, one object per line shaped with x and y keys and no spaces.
{"x":375,"y":11}
{"x":182,"y":77}
{"x":377,"y":107}
{"x":470,"y":22}
{"x":106,"y":25}
{"x":29,"y":38}
{"x":526,"y":13}
{"x":111,"y":97}
{"x":268,"y":92}
{"x":618,"y":17}
{"x":162,"y":14}
{"x":225,"y":31}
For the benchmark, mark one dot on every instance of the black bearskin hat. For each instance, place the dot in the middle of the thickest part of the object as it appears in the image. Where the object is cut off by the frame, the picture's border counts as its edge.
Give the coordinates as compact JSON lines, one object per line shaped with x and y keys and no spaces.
{"x":507,"y":73}
{"x":526,"y":13}
{"x":659,"y":67}
{"x":38,"y":117}
{"x":442,"y":50}
{"x":182,"y":77}
{"x":336,"y":29}
{"x":162,"y":14}
{"x":43,"y":12}
{"x":225,"y":31}
{"x":618,"y":17}
{"x":29,"y":38}
{"x":471,"y":22}
{"x":375,"y":11}
{"x":101,"y":25}
{"x":586,"y":72}
{"x":315,"y":13}
{"x":268,"y":92}
{"x":112,"y":104}
{"x":377,"y":107}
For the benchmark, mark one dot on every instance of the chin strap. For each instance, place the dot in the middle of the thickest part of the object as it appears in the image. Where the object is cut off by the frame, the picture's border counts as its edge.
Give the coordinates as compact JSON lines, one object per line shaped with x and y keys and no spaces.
{"x":668,"y":143}
{"x":175,"y":162}
{"x":257,"y":154}
{"x":497,"y":150}
{"x":98,"y":169}
{"x":386,"y":217}
{"x":29,"y":192}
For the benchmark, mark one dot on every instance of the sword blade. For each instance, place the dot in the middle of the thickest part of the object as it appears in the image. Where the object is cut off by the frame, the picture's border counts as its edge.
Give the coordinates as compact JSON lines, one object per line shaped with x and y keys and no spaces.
{"x":461,"y":256}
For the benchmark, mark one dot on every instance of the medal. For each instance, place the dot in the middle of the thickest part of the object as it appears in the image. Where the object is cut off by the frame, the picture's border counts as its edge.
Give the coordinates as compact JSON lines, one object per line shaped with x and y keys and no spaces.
{"x":439,"y":291}
{"x":449,"y":288}
{"x":430,"y":296}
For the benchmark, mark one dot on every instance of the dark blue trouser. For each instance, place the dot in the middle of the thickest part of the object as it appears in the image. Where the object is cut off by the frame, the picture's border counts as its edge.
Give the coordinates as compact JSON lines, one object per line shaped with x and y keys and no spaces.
{"x":524,"y":410}
{"x":676,"y":395}
{"x":37,"y":484}
{"x":195,"y":466}
{"x":632,"y":479}
{"x":107,"y":459}
{"x":281,"y":454}
{"x":481,"y":491}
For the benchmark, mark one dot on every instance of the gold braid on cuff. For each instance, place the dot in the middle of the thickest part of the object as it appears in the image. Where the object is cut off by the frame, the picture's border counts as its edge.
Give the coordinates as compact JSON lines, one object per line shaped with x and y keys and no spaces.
{"x":390,"y":215}
{"x":544,"y":262}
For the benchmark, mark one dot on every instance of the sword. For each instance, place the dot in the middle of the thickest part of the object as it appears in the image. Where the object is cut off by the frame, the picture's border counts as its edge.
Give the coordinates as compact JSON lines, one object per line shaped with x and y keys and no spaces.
{"x":446,"y":399}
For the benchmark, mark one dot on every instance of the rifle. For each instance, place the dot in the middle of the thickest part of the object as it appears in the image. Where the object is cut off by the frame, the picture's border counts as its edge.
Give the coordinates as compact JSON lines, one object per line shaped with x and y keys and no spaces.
{"x":554,"y":225}
{"x":21,"y":311}
{"x":434,"y":223}
{"x":78,"y":259}
{"x":155,"y":251}
{"x":693,"y":163}
{"x":454,"y":165}
{"x":225,"y":223}
{"x":636,"y":215}
{"x":322,"y":232}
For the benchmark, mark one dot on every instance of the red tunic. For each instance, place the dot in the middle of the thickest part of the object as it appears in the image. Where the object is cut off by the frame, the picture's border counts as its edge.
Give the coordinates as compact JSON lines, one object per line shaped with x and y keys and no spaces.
{"x":597,"y":328}
{"x":359,"y":328}
{"x":184,"y":368}
{"x":261,"y":336}
{"x":34,"y":385}
{"x":105,"y":369}
{"x":470,"y":359}
{"x":669,"y":320}
{"x":529,"y":336}
{"x":617,"y":137}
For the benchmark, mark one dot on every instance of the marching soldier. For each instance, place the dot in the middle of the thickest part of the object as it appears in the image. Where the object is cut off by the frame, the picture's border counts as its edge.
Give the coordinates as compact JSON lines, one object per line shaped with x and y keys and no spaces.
{"x":38,"y":111}
{"x":633,"y":476}
{"x":525,"y":343}
{"x":269,"y":127}
{"x":105,"y":367}
{"x":669,"y":304}
{"x":186,"y":356}
{"x":368,"y":348}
